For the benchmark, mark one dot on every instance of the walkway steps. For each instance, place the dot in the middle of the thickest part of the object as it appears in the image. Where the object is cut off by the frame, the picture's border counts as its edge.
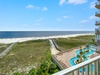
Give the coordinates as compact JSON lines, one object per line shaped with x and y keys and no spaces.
{"x":57,"y":63}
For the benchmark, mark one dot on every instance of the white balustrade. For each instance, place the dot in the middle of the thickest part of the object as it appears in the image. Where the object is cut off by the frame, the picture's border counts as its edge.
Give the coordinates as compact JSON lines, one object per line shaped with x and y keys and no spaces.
{"x":89,"y":67}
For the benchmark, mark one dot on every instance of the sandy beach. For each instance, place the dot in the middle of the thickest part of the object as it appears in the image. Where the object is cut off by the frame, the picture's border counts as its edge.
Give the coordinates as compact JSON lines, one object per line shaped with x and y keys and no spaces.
{"x":12,"y":40}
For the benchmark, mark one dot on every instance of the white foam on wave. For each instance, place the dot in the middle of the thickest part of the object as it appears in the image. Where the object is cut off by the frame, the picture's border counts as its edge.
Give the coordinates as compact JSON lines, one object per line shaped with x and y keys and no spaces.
{"x":12,"y":40}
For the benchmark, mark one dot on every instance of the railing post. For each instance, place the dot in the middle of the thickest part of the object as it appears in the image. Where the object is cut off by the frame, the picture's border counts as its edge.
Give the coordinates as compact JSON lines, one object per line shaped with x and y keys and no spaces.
{"x":77,"y":71}
{"x":82,"y":70}
{"x":87,"y":69}
{"x":97,"y":66}
{"x":91,"y":69}
{"x":72,"y":73}
{"x":94,"y":67}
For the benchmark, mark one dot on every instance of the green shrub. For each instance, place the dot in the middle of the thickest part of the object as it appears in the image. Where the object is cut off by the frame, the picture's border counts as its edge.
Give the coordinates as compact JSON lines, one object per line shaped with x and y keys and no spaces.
{"x":52,"y":68}
{"x":39,"y":72}
{"x":17,"y":73}
{"x":32,"y":72}
{"x":44,"y":67}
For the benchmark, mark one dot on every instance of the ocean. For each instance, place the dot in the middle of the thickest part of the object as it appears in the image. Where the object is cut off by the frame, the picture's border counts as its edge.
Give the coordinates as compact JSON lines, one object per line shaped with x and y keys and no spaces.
{"x":22,"y":34}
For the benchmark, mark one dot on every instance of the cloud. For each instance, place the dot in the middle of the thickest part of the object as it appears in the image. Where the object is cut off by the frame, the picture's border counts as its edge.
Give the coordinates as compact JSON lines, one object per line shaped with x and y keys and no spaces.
{"x":62,"y":2}
{"x":92,"y":4}
{"x":72,"y":1}
{"x":92,"y":17}
{"x":83,"y":21}
{"x":30,"y":6}
{"x":65,"y":17}
{"x":62,"y":18}
{"x":77,"y":1}
{"x":38,"y":20}
{"x":44,"y":9}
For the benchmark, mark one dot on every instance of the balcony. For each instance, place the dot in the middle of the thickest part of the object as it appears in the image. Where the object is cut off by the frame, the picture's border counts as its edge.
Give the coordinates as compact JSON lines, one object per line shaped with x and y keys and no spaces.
{"x":97,"y":23}
{"x":97,"y":14}
{"x":97,"y":31}
{"x":89,"y":67}
{"x":97,"y":5}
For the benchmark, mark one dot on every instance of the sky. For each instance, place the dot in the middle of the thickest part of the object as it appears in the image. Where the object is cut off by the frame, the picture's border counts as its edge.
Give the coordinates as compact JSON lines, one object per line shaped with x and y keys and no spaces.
{"x":47,"y":15}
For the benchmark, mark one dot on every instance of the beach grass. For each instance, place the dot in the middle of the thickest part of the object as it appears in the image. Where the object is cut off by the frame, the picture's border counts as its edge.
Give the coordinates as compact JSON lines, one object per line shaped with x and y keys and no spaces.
{"x":3,"y":47}
{"x":24,"y":56}
{"x":72,"y":42}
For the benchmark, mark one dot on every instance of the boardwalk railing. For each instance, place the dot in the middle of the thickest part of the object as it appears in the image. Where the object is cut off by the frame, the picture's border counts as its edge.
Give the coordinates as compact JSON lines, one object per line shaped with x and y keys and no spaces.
{"x":6,"y":50}
{"x":56,"y":46}
{"x":57,"y":63}
{"x":89,"y":67}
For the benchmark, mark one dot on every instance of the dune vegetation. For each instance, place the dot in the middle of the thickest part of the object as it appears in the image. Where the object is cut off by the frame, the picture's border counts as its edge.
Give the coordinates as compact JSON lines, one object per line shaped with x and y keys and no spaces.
{"x":72,"y":42}
{"x":25,"y":56}
{"x":3,"y":47}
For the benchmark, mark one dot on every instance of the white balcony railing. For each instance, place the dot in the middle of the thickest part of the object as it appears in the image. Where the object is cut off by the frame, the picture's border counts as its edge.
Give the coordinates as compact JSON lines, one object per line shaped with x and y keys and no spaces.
{"x":97,"y":30}
{"x":89,"y":67}
{"x":98,"y":12}
{"x":98,"y":22}
{"x":98,"y":3}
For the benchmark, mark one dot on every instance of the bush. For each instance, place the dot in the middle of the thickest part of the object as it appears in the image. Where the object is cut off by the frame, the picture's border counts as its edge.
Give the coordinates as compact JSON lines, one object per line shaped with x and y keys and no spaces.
{"x":52,"y":68}
{"x":32,"y":72}
{"x":17,"y":73}
{"x":44,"y":67}
{"x":39,"y":72}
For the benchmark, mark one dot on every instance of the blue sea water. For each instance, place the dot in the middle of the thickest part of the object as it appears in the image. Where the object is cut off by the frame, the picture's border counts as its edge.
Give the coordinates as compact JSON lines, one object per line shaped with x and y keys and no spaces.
{"x":21,"y":34}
